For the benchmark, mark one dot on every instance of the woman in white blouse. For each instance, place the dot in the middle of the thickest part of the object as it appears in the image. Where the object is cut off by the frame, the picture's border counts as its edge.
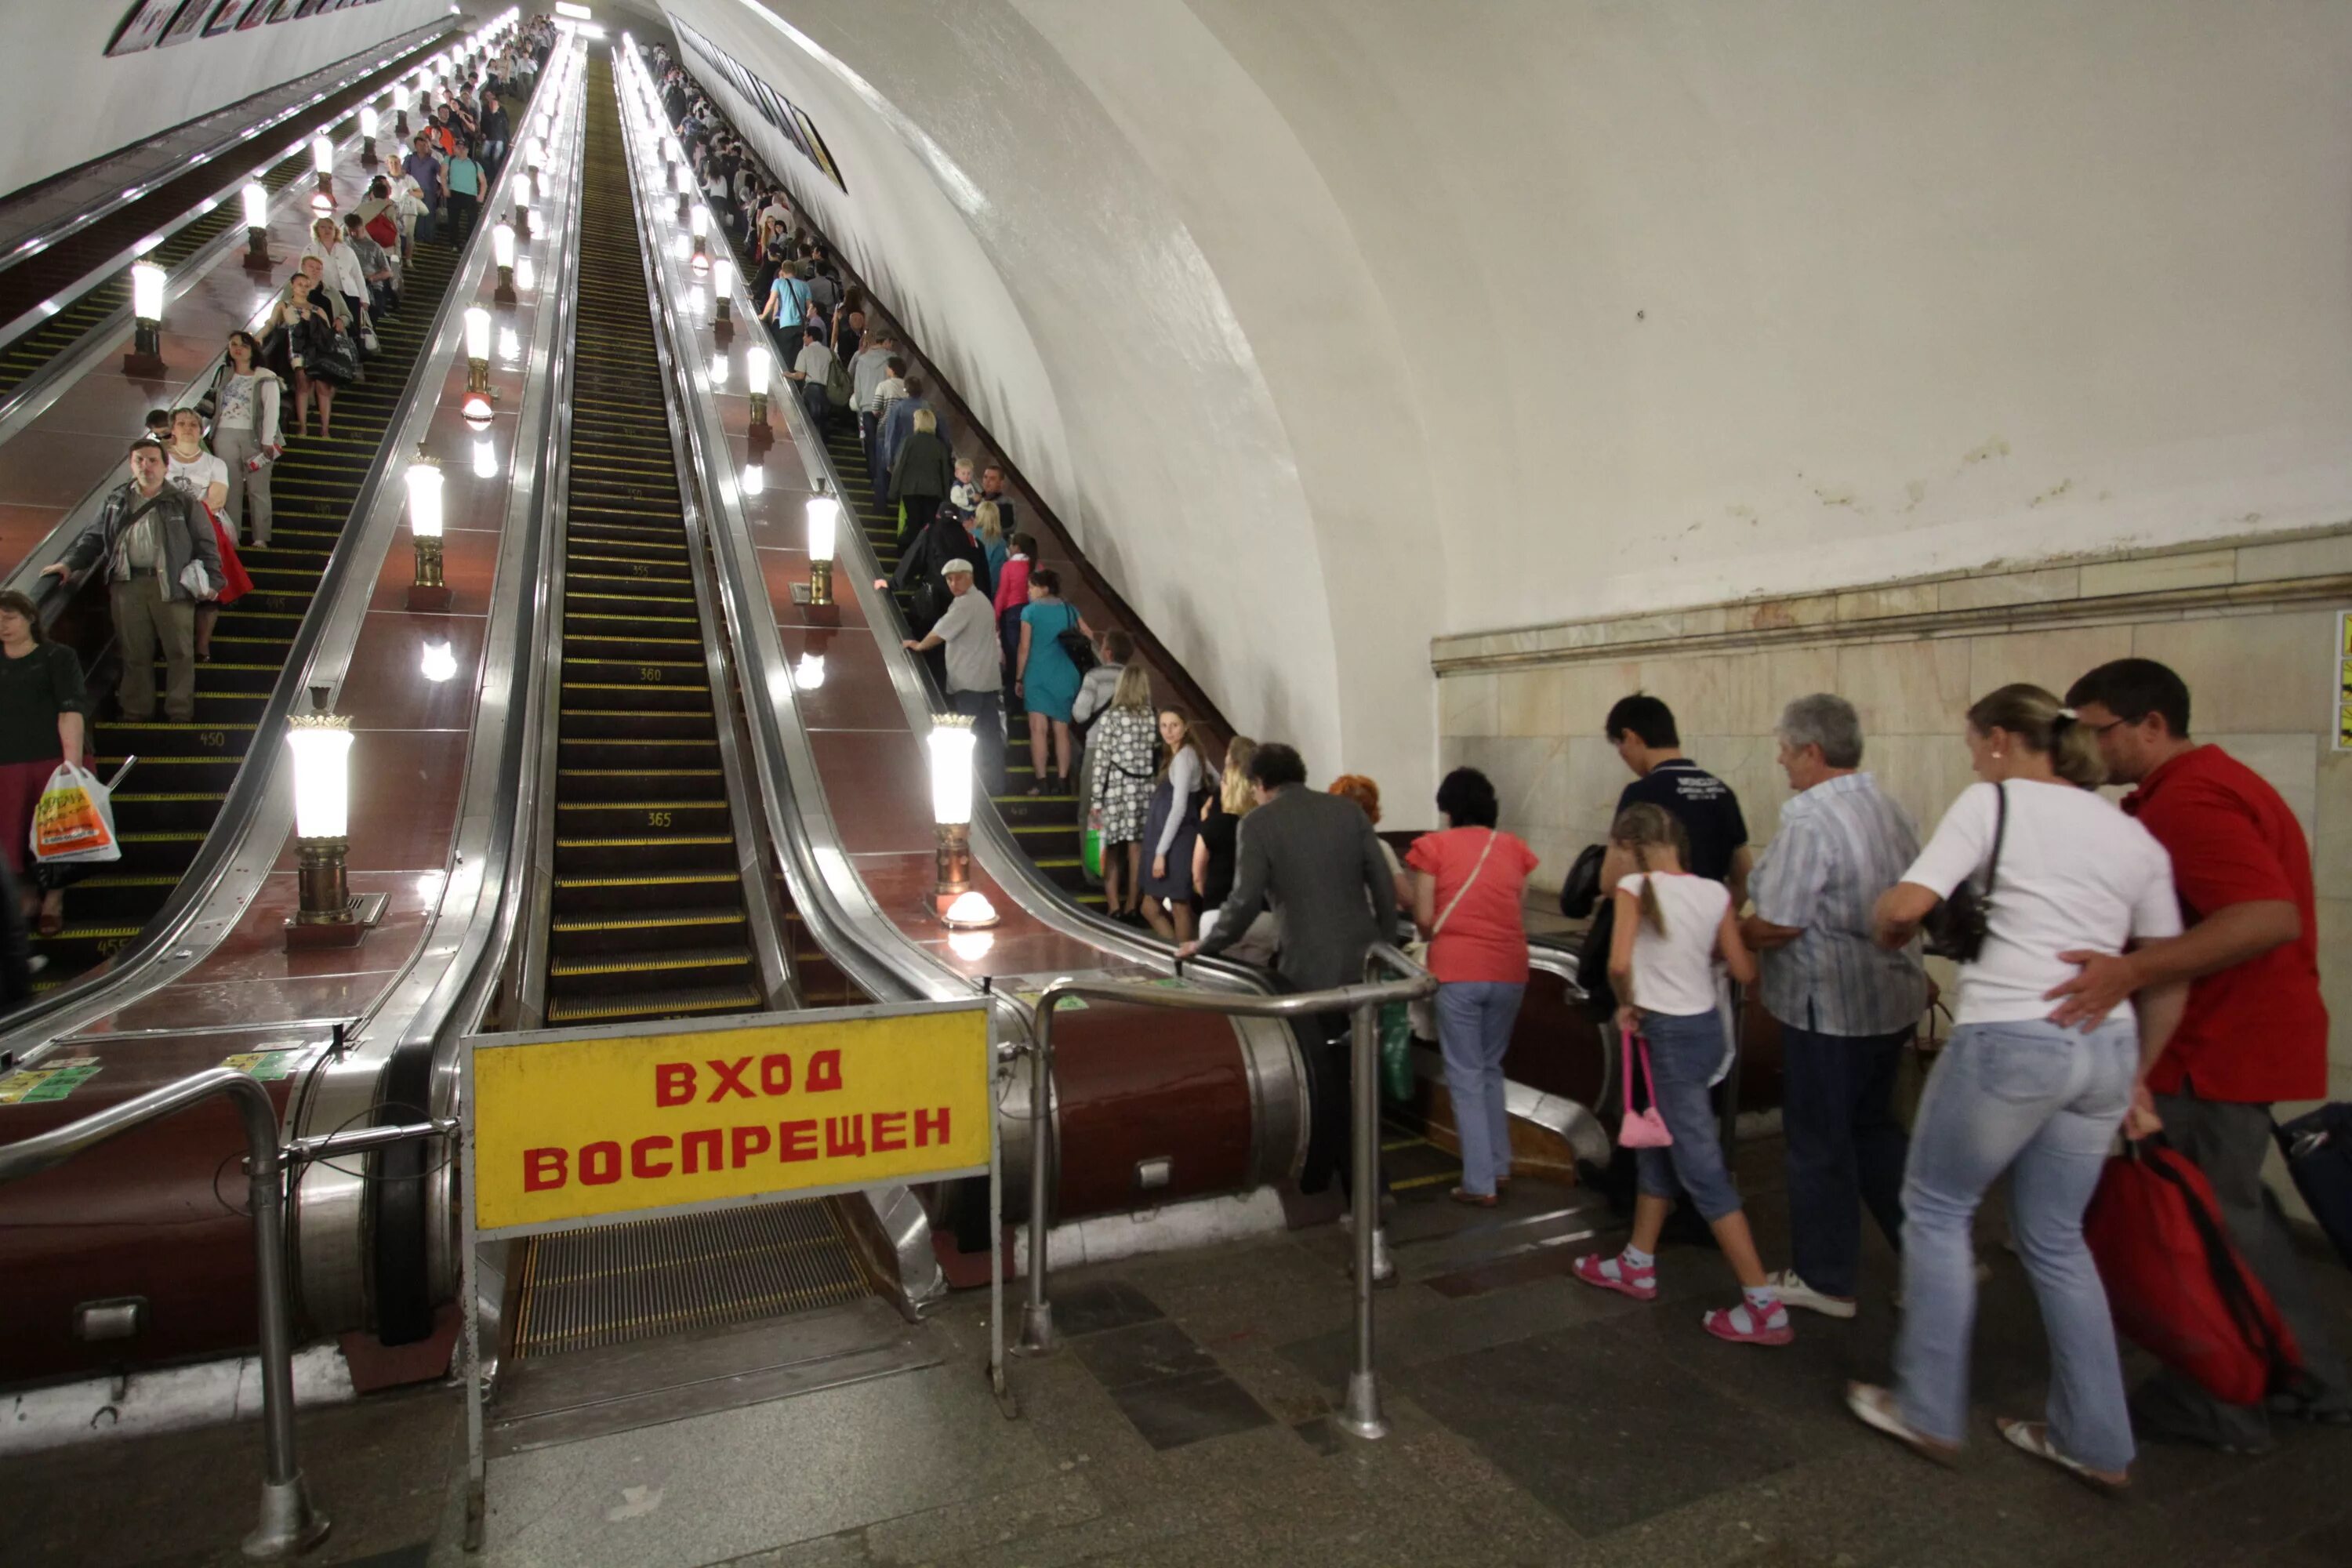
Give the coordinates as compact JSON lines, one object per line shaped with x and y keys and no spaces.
{"x":193,"y":468}
{"x":245,"y":397}
{"x":2058,"y":869}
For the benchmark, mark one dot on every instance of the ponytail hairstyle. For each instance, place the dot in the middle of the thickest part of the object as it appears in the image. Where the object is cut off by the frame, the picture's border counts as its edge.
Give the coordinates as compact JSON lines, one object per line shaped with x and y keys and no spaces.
{"x":2042,"y":725}
{"x":1233,"y":795}
{"x":1641,"y":829}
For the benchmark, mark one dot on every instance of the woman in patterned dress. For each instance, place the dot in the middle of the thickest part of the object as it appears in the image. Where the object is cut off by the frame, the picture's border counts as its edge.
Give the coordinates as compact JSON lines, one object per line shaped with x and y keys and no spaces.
{"x":1121,"y":745}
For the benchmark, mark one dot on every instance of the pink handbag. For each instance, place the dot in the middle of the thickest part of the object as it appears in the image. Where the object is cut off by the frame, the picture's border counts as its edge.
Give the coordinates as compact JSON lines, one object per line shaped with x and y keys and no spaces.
{"x":1640,"y":1129}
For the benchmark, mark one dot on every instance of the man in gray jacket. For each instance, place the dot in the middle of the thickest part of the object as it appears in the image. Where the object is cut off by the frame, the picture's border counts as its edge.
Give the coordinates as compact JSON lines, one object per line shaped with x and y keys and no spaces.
{"x":1316,"y":856}
{"x":148,"y":532}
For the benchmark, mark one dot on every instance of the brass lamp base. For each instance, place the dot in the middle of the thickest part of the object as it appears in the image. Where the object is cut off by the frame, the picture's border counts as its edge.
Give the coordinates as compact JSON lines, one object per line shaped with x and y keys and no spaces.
{"x":327,"y":915}
{"x":361,"y":916}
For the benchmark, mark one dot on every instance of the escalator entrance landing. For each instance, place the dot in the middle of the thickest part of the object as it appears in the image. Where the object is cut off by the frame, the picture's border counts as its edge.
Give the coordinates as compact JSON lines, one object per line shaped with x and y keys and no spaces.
{"x":618,"y":1326}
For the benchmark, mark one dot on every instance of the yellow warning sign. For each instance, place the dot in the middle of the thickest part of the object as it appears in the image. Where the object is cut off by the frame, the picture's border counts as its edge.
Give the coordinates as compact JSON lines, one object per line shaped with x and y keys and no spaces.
{"x":576,"y":1128}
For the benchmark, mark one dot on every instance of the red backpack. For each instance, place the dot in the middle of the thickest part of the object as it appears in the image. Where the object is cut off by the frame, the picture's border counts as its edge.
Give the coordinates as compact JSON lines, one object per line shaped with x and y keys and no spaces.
{"x":2175,"y":1284}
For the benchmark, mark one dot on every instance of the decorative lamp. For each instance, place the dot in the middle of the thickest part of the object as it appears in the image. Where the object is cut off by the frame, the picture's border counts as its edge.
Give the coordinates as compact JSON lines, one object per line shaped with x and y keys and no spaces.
{"x":428,"y":592}
{"x":476,"y":406}
{"x":759,"y":366}
{"x":823,"y":525}
{"x":522,"y":200}
{"x":322,"y":160}
{"x":697,"y":224}
{"x":722,"y":300}
{"x":534,"y":153}
{"x":954,"y":898}
{"x":327,"y":915}
{"x":685,"y":189}
{"x":369,"y":124}
{"x":146,"y":356}
{"x":502,"y":251}
{"x":256,"y":227}
{"x":400,"y":112}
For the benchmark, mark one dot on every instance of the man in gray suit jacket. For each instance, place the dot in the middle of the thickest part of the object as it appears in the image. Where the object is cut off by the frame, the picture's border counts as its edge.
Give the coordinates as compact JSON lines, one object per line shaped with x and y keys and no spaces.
{"x":1317,"y":857}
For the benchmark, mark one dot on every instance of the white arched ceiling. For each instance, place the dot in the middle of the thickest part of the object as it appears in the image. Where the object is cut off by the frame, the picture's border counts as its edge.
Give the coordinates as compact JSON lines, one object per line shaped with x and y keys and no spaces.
{"x":65,"y":102}
{"x":1337,"y":323}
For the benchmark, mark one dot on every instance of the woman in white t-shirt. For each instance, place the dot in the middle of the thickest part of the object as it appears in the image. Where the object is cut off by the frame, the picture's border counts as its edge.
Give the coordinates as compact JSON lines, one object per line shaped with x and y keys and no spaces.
{"x":2068,"y":873}
{"x":1672,"y":928}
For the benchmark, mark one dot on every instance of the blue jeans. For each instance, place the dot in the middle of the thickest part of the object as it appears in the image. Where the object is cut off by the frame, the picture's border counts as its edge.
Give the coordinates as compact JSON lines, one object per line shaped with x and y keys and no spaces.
{"x":1845,"y":1149}
{"x":1474,"y":1031}
{"x":1685,"y":1052}
{"x":2043,"y":1102}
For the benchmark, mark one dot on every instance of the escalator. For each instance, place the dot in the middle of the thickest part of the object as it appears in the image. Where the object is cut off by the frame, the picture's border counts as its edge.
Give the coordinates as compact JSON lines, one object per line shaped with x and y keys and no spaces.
{"x":650,"y":919}
{"x":170,"y":799}
{"x":650,"y":914}
{"x":56,"y":271}
{"x":1047,"y":826}
{"x":68,"y":263}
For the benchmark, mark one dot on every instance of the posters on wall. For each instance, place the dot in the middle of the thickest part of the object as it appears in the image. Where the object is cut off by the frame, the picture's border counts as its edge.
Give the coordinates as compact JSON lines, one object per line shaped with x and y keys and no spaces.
{"x":146,"y":23}
{"x":792,"y":122}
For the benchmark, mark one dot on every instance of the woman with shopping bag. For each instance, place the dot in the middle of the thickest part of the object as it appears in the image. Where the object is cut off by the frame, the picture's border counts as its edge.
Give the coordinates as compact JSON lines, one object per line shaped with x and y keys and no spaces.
{"x":42,"y":711}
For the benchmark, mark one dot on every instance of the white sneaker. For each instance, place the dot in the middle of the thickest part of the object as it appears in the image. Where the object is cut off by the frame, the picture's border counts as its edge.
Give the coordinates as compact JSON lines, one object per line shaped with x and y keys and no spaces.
{"x":1795,"y":1292}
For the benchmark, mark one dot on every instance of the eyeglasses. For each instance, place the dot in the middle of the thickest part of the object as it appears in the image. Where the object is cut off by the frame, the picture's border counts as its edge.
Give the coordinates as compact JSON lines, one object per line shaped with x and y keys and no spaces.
{"x":2110,"y":724}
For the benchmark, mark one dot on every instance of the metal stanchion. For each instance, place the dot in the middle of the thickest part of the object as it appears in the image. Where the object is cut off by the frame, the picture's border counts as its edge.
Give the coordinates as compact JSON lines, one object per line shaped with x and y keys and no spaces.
{"x":1361,"y":1415}
{"x":1036,"y":1313}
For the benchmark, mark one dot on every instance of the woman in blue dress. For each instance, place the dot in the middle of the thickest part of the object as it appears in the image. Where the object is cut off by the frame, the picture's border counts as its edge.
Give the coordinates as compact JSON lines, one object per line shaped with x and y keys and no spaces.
{"x":1043,"y":676}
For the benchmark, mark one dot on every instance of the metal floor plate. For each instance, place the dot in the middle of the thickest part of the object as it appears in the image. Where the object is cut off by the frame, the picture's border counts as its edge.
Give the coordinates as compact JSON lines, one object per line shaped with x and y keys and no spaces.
{"x":650,"y":1279}
{"x":556,"y":1400}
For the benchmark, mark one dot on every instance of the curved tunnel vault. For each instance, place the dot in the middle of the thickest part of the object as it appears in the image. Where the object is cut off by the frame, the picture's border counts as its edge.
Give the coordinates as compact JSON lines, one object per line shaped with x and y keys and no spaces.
{"x":1015,"y":197}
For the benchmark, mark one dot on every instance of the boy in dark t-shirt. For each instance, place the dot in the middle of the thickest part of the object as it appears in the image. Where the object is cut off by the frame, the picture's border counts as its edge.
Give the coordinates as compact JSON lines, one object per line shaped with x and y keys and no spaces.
{"x":1643,"y":730}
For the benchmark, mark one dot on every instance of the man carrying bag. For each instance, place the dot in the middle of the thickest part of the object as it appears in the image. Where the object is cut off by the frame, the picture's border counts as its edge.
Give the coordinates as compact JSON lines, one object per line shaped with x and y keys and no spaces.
{"x":159,"y":557}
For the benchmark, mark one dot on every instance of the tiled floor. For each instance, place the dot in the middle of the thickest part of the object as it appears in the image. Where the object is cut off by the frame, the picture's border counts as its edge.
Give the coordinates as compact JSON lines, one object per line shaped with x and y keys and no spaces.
{"x":1186,"y":1421}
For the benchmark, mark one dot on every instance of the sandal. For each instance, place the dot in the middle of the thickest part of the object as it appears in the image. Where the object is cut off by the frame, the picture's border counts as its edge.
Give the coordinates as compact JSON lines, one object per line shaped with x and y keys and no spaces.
{"x":1876,"y":1408}
{"x":2034,"y":1437}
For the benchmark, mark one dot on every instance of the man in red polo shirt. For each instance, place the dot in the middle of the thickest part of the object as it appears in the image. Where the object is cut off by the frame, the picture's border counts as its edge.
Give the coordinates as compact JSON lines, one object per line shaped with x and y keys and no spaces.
{"x":2255,"y":1030}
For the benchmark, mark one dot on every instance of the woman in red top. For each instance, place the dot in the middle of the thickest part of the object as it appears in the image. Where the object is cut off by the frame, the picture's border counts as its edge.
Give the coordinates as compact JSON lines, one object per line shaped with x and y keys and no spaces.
{"x":1468,"y":883}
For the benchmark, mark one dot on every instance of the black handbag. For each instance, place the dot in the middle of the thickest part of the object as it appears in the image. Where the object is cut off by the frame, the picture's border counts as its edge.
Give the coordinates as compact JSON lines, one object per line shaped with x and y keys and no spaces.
{"x":1078,"y":647}
{"x":1580,"y":888}
{"x":1956,"y":928}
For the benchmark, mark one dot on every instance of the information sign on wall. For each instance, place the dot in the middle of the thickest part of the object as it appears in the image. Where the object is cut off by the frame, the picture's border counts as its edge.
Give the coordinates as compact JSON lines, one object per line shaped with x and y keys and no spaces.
{"x":571,"y":1126}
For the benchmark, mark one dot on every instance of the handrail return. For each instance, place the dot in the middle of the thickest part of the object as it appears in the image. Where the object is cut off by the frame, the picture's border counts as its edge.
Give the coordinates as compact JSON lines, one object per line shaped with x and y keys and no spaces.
{"x":289,"y":1524}
{"x":1361,"y":1414}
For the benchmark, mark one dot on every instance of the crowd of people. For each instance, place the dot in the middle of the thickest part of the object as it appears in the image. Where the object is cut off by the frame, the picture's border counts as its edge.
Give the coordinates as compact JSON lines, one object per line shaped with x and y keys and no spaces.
{"x":166,"y":540}
{"x":2085,"y":1008}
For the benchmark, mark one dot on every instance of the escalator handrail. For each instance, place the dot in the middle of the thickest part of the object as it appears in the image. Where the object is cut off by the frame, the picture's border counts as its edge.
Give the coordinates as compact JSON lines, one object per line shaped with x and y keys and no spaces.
{"x":864,"y":943}
{"x":250,"y":788}
{"x":65,"y":229}
{"x":1148,"y":644}
{"x":50,"y":596}
{"x":992,"y":842}
{"x":423,"y":1063}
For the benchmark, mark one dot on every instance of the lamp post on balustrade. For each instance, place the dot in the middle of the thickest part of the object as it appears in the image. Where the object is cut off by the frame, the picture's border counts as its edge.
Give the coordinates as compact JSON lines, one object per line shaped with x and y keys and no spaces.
{"x":722,"y":300}
{"x":759,"y":369}
{"x":957,"y":903}
{"x":256,"y":200}
{"x":145,"y":359}
{"x":428,"y":592}
{"x":326,"y":915}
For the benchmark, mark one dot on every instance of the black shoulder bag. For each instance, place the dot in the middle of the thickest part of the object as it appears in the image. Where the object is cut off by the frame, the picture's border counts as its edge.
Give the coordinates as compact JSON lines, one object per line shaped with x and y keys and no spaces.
{"x":1956,"y":928}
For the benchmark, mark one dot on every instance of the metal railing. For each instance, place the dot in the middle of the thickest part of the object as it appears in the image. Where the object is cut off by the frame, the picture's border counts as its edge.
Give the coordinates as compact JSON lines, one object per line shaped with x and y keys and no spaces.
{"x":1361,"y":1415}
{"x":289,"y":1524}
